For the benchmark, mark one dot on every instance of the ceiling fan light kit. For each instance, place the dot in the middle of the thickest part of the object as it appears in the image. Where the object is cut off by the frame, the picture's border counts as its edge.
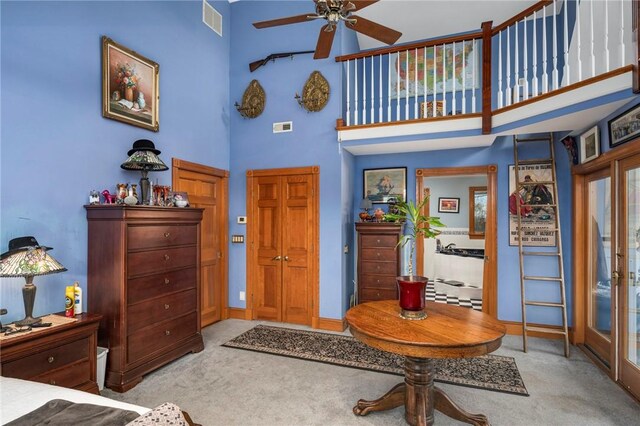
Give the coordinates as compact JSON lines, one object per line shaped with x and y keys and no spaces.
{"x":334,"y":11}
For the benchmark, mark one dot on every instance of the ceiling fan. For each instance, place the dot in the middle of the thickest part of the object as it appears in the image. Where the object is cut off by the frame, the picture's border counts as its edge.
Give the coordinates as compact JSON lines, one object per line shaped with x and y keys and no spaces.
{"x":334,"y":11}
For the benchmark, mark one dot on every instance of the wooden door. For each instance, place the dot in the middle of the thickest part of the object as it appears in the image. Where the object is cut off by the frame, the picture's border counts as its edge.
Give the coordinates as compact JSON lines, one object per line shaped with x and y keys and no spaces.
{"x":207,"y":189}
{"x":282,"y":275}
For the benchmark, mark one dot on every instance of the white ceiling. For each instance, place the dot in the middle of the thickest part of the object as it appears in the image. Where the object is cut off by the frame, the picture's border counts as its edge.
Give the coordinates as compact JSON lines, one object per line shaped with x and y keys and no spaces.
{"x":425,"y":19}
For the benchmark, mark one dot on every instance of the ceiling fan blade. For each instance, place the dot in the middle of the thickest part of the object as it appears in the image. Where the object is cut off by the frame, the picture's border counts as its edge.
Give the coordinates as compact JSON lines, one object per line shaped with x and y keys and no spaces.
{"x":374,"y":30}
{"x":361,"y":4}
{"x":325,"y":40}
{"x":282,"y":21}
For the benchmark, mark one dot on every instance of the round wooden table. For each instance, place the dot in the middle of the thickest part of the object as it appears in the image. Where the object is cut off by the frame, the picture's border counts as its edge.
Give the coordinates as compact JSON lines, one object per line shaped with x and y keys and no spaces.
{"x":447,"y":332}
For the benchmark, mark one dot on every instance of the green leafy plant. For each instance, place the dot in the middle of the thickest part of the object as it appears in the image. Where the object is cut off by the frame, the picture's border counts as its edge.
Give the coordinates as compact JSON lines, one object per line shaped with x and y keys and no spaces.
{"x":418,"y":225}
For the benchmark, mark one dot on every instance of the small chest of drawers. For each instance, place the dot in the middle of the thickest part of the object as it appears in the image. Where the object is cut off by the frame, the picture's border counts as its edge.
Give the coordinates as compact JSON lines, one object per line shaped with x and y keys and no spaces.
{"x":144,"y":278}
{"x":378,"y":260}
{"x":64,"y":355}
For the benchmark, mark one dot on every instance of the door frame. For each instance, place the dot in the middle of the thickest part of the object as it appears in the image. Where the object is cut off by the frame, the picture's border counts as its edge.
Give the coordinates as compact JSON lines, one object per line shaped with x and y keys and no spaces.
{"x":252,"y":232}
{"x":223,"y":224}
{"x":489,"y":280}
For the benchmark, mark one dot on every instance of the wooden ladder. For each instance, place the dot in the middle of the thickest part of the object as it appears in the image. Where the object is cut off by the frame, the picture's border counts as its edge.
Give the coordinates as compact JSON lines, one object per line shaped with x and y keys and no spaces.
{"x":553,"y":255}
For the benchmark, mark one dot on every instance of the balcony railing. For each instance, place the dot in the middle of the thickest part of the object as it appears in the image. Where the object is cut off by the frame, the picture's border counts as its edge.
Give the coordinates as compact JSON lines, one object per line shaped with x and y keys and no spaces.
{"x":552,"y":45}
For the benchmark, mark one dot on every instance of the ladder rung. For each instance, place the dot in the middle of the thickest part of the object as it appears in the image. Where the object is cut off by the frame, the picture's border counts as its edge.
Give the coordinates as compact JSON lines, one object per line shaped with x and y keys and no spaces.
{"x":546,"y":330}
{"x":527,"y":228}
{"x":547,"y":304}
{"x":533,"y":139}
{"x":539,"y":205}
{"x":539,"y":182}
{"x":539,"y":278}
{"x":539,"y":253}
{"x":536,"y":161}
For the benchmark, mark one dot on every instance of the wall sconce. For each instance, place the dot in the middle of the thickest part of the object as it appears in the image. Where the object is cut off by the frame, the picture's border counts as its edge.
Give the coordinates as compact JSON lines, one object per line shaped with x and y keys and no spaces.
{"x":253,"y":101}
{"x":315,"y":93}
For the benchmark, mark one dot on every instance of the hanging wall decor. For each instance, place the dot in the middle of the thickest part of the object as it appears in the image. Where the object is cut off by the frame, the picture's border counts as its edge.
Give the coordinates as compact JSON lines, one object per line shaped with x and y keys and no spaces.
{"x":315,"y":93}
{"x":253,"y":100}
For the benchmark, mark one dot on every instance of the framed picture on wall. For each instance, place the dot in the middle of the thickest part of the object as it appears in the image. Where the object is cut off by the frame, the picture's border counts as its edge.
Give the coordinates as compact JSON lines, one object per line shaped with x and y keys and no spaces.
{"x":129,"y":86}
{"x":383,"y":186}
{"x":589,"y":144}
{"x":624,"y":127}
{"x":448,"y":205}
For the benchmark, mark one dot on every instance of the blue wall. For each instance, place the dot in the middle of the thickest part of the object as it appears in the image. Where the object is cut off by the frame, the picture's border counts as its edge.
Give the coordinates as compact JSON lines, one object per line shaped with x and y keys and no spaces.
{"x":56,"y":146}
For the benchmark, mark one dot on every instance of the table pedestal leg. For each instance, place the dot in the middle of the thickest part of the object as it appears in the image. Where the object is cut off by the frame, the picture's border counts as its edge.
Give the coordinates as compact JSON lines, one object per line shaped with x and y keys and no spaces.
{"x":392,"y":399}
{"x":446,"y":406}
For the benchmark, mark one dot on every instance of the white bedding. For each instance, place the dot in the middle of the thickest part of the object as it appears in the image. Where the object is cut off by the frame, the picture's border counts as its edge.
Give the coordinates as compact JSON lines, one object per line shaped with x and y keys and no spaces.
{"x":19,"y":397}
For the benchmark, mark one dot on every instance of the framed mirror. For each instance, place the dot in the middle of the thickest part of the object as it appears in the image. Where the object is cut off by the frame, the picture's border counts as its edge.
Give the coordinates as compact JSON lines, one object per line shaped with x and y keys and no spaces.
{"x":477,"y":211}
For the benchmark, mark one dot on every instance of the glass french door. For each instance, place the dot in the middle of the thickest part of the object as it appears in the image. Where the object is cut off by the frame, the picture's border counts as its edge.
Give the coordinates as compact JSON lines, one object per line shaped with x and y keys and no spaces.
{"x":629,"y":266}
{"x":600,"y":243}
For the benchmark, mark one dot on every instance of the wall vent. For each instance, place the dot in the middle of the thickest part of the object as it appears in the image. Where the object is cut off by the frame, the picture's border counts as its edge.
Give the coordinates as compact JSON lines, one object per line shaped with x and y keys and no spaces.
{"x":211,"y":17}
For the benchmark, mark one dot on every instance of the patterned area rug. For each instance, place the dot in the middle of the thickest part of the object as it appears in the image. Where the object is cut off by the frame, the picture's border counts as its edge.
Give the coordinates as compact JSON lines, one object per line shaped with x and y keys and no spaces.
{"x":491,"y":372}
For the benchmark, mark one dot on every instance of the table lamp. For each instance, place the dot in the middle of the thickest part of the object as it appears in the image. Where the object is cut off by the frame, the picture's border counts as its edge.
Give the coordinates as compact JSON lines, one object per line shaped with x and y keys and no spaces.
{"x":365,"y":205}
{"x":26,"y":258}
{"x":144,"y":157}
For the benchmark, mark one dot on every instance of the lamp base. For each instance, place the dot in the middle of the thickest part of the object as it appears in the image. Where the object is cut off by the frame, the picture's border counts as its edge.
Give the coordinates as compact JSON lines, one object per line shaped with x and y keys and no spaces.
{"x":28,"y":297}
{"x":27,"y":321}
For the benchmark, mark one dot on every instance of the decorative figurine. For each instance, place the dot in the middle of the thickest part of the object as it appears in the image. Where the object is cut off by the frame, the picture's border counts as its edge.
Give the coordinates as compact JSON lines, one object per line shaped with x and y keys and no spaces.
{"x":379,"y":215}
{"x":570,"y":144}
{"x":121,"y":192}
{"x":94,"y":197}
{"x":108,"y":197}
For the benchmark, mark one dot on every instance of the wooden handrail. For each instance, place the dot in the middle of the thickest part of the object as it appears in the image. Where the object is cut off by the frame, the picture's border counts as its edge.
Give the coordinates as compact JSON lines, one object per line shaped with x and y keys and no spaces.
{"x":411,"y":46}
{"x":521,"y":15}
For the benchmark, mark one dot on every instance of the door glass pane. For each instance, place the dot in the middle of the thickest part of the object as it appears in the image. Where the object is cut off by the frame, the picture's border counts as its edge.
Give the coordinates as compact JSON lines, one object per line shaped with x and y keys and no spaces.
{"x":600,"y":256}
{"x":633,"y":264}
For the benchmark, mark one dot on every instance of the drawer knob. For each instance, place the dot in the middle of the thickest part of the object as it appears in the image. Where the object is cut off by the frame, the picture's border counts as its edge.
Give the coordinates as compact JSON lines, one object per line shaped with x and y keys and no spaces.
{"x":166,"y":306}
{"x":378,"y":254}
{"x":166,"y":257}
{"x":52,"y":382}
{"x":167,"y":332}
{"x":166,"y":280}
{"x":378,"y":267}
{"x":167,"y":234}
{"x":51,"y":359}
{"x":378,"y":281}
{"x":378,"y":240}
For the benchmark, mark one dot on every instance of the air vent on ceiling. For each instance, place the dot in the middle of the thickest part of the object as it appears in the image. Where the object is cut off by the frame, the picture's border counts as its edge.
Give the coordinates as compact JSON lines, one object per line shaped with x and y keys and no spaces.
{"x":211,"y":17}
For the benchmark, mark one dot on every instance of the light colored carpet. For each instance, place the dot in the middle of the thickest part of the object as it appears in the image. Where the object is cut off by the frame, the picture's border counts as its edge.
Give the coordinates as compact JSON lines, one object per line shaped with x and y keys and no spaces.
{"x":226,"y":386}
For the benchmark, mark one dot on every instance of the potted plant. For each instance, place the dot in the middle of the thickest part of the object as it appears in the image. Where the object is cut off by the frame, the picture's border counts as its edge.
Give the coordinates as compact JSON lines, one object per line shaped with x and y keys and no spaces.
{"x":411,"y":288}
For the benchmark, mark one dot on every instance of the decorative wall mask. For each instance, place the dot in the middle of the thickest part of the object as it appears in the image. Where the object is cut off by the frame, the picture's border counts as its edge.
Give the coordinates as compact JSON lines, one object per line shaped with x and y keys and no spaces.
{"x":253,"y":100}
{"x":315,"y":93}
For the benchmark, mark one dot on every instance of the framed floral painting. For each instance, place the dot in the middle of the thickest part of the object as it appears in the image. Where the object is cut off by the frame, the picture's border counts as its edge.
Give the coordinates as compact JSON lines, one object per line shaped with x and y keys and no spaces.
{"x":129,"y":86}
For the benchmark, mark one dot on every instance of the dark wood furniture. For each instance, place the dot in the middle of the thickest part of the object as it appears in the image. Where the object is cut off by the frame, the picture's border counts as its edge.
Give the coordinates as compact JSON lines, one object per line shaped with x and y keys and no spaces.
{"x":447,"y":332}
{"x":144,"y":278}
{"x":65,"y":355}
{"x":378,"y":260}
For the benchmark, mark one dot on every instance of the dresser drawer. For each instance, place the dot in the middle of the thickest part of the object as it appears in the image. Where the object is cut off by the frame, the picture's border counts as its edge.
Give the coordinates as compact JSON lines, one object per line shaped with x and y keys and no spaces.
{"x":160,"y":309}
{"x":147,"y":341}
{"x":382,"y":268}
{"x":389,"y":241}
{"x":69,"y":377}
{"x":370,"y":294}
{"x":151,"y":286}
{"x":144,"y":262}
{"x":378,"y":281}
{"x":46,"y":360}
{"x":142,"y":237}
{"x":382,"y":253}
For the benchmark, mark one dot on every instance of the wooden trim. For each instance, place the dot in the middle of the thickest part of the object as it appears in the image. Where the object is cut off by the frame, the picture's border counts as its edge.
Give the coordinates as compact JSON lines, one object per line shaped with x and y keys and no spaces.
{"x":515,"y":328}
{"x":198,"y":168}
{"x":236,"y":313}
{"x":621,"y":151}
{"x":566,"y":89}
{"x":331,"y":324}
{"x":472,"y":217}
{"x":490,"y":285}
{"x":410,"y":46}
{"x":579,"y":252}
{"x":250,"y":250}
{"x":519,"y":16}
{"x":284,"y":172}
{"x":486,"y":77}
{"x":636,"y":66}
{"x":412,"y":121}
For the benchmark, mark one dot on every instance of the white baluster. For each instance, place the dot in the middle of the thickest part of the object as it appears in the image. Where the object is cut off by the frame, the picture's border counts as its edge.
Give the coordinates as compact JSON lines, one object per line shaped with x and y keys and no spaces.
{"x":416,"y":111}
{"x":364,"y":90}
{"x":355,"y":86}
{"x":389,"y":88}
{"x":424,"y":79}
{"x":593,"y":55}
{"x":579,"y":40}
{"x":380,"y":117}
{"x":398,"y":89}
{"x":525,"y":64}
{"x":464,"y":82}
{"x":348,"y":96}
{"x":545,"y":77}
{"x":622,"y":48}
{"x":372,"y":113}
{"x":444,"y":79}
{"x":473,"y":81}
{"x":453,"y":86}
{"x":500,"y":102}
{"x":534,"y":57}
{"x":566,"y":71}
{"x":606,"y":35}
{"x":554,"y":72}
{"x":508,"y":88}
{"x":516,"y":66}
{"x":435,"y":67}
{"x":406,"y":86}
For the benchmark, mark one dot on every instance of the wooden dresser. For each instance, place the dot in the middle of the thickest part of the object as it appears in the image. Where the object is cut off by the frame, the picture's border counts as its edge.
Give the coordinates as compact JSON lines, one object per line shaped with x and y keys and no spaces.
{"x":64,"y":355}
{"x":144,"y":278}
{"x":378,"y":260}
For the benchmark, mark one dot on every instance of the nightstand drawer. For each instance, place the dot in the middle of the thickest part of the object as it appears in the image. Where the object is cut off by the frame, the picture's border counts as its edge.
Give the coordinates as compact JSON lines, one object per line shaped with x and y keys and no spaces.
{"x":140,"y":289}
{"x":382,"y":268}
{"x":142,"y":237}
{"x":69,"y":377}
{"x":154,"y":311}
{"x":382,"y":253}
{"x":147,"y":341}
{"x":371,"y":294}
{"x":379,"y":241}
{"x":144,"y":262}
{"x":49,"y":359}
{"x":387,"y":282}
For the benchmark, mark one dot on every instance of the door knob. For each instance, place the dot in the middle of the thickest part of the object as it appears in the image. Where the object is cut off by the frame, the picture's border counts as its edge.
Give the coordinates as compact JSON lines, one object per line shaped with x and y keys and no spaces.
{"x":278,"y":257}
{"x":286,"y":258}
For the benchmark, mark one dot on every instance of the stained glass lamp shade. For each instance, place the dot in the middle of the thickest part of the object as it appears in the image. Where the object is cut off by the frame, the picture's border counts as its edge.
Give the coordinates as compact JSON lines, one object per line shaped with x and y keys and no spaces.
{"x":27,"y":259}
{"x":145,"y":161}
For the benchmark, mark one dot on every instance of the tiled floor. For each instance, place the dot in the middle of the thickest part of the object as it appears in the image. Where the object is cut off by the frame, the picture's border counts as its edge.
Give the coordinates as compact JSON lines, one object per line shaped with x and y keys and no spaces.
{"x":432,"y":296}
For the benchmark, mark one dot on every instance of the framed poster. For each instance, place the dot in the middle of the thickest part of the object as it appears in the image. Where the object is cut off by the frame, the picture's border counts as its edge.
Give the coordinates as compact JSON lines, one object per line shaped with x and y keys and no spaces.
{"x":383,"y":186}
{"x":624,"y":127}
{"x":129,"y":86}
{"x":589,"y":145}
{"x":538,"y":221}
{"x":448,"y":205}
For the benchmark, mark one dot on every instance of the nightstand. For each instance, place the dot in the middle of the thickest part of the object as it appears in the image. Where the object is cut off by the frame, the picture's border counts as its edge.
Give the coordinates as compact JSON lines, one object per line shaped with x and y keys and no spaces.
{"x":64,"y":355}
